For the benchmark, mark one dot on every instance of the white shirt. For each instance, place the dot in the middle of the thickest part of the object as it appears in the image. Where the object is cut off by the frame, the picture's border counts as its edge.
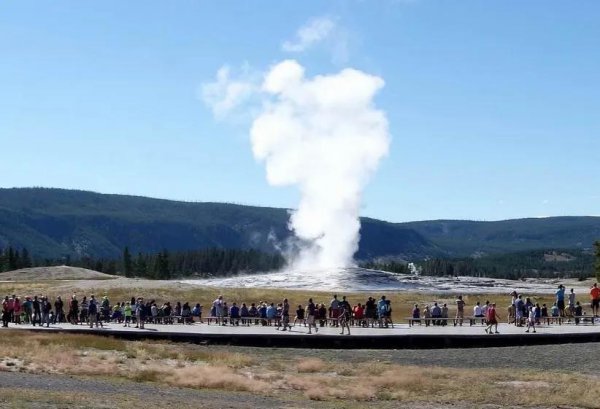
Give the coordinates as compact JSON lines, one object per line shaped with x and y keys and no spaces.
{"x":477,"y":310}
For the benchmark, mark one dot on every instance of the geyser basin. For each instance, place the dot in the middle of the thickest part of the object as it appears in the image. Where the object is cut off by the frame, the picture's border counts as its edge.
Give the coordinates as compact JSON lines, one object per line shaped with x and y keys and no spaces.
{"x":359,"y":279}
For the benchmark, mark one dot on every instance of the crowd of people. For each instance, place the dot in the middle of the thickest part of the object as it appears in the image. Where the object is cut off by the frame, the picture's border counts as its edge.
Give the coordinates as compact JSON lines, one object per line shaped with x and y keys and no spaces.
{"x":339,"y":313}
{"x":41,"y":310}
{"x":522,"y":311}
{"x":439,"y":314}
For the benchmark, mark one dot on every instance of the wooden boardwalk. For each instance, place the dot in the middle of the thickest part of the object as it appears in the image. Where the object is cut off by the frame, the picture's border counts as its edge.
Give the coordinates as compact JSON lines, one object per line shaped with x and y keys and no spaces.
{"x":401,"y":336}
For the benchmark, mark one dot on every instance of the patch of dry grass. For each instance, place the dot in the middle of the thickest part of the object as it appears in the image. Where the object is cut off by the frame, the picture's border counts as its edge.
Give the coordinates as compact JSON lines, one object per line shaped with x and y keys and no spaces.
{"x":450,"y":385}
{"x":214,"y":377}
{"x":311,"y":365}
{"x":267,"y":373}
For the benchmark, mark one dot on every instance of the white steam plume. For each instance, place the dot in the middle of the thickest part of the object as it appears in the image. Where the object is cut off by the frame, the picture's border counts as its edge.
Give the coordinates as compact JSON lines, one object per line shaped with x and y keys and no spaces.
{"x":324,"y":135}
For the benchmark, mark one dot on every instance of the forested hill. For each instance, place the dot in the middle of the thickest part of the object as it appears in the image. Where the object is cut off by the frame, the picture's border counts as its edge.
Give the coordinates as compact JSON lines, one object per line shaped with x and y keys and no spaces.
{"x":55,"y":222}
{"x":469,"y":238}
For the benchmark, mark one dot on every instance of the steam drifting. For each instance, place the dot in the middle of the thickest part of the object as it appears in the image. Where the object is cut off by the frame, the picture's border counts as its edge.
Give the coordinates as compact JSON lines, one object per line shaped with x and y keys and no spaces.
{"x":324,"y":135}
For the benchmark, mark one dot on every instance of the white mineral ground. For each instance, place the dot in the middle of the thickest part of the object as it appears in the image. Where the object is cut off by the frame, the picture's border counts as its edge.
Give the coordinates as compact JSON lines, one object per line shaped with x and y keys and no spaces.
{"x":350,"y":280}
{"x":358,"y":279}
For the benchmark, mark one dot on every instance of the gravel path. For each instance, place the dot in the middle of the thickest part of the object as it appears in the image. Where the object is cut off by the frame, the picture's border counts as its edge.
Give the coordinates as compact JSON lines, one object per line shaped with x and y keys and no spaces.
{"x":146,"y":392}
{"x":564,"y":357}
{"x":582,"y":357}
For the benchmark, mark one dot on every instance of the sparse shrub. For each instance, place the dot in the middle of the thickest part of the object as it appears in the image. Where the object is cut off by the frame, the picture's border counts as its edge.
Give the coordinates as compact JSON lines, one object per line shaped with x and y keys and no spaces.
{"x":311,"y":365}
{"x":214,"y":377}
{"x":147,"y":375}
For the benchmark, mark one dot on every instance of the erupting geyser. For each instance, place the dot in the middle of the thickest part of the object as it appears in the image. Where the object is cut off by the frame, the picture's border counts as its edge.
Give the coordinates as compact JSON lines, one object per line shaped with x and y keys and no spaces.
{"x":324,"y":135}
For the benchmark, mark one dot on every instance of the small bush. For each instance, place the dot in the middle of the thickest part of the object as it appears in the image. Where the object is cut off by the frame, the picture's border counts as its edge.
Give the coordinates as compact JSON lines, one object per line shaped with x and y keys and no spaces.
{"x":311,"y":365}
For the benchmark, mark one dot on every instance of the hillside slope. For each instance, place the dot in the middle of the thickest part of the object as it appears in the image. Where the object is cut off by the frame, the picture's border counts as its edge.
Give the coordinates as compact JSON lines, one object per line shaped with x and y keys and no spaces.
{"x":464,"y":238}
{"x":55,"y":223}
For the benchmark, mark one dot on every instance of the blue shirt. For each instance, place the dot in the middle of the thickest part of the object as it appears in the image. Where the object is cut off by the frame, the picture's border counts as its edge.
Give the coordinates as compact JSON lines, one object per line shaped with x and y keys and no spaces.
{"x":234,"y":312}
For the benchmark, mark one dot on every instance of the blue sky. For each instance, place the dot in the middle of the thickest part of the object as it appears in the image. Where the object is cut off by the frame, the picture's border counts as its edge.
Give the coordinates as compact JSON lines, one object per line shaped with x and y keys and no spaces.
{"x":494,"y":106}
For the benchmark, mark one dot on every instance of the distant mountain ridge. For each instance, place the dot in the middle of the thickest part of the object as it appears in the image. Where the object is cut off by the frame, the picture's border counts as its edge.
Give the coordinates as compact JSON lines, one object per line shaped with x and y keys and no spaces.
{"x":57,"y":222}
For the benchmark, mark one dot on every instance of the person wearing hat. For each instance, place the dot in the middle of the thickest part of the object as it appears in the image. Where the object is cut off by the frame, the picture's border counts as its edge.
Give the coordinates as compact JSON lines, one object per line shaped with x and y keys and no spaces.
{"x":140,"y":313}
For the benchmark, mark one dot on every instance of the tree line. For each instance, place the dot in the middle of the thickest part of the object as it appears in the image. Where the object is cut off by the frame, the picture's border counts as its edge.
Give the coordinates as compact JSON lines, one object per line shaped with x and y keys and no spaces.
{"x":162,"y":265}
{"x":224,"y":262}
{"x":14,"y":259}
{"x":509,"y":266}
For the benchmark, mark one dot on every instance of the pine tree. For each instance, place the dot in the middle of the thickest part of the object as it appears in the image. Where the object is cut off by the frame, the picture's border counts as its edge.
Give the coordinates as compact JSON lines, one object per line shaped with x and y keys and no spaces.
{"x":141,"y":265}
{"x":597,"y":264}
{"x":164,"y":272}
{"x":3,"y":260}
{"x":12,"y":259}
{"x":25,"y":259}
{"x":127,"y":263}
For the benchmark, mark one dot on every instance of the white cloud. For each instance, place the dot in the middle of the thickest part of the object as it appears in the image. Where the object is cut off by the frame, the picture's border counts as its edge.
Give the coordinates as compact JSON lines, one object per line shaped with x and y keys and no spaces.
{"x":314,"y":31}
{"x":225,"y":94}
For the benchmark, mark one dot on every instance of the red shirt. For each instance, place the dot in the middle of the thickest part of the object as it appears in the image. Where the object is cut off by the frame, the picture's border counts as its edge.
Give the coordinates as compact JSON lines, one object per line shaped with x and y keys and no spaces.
{"x":358,"y":312}
{"x":595,"y":293}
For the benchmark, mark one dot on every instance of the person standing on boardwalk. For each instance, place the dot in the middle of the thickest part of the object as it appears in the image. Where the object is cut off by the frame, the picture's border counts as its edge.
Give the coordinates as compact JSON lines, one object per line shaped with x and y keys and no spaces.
{"x":59,"y":310}
{"x":37,"y":315}
{"x":578,"y":312}
{"x":11,"y":308}
{"x":571,"y":305}
{"x":436,"y":314}
{"x":127,"y":313}
{"x":460,"y":310}
{"x":140,"y":314}
{"x":560,"y":299}
{"x":346,"y":305}
{"x":381,"y":308}
{"x":17,"y":311}
{"x":445,"y":314}
{"x":285,"y":315}
{"x":344,"y":317}
{"x":595,"y":298}
{"x":92,"y":312}
{"x":218,"y":308}
{"x":492,"y":319}
{"x":5,"y":312}
{"x":46,"y":309}
{"x":370,"y":311}
{"x":73,"y":310}
{"x":531,"y":318}
{"x":334,"y":309}
{"x":84,"y":313}
{"x":311,"y":311}
{"x":519,"y":305}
